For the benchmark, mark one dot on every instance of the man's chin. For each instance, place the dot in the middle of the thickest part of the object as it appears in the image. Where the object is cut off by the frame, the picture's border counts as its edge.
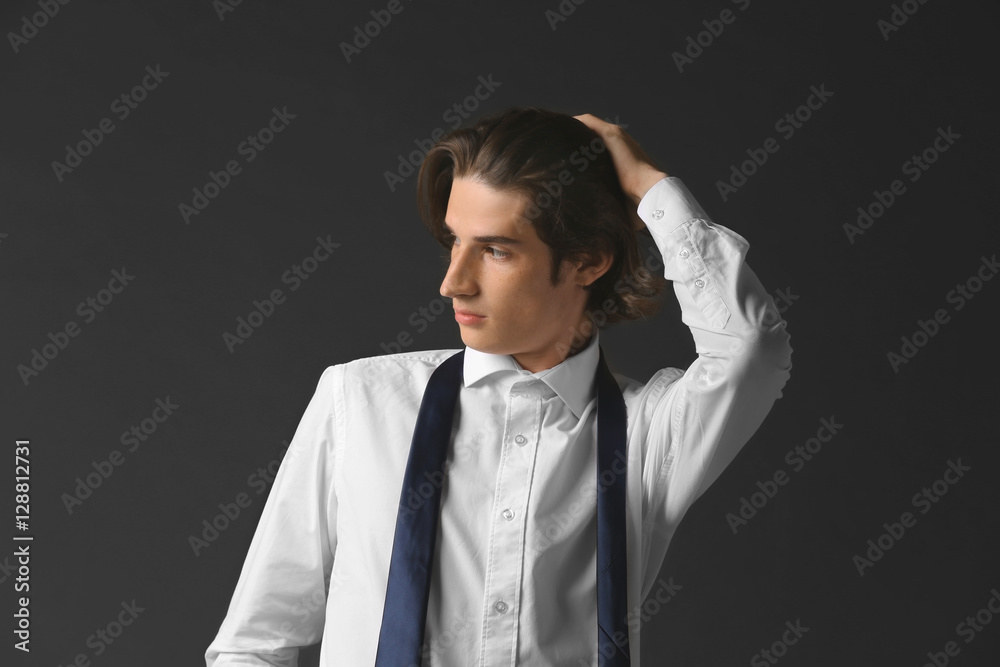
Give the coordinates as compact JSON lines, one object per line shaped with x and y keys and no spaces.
{"x":476,"y":339}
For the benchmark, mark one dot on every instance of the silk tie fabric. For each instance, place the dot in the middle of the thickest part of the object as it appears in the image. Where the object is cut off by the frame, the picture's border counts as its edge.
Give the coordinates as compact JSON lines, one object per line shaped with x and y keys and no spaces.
{"x":404,"y":615}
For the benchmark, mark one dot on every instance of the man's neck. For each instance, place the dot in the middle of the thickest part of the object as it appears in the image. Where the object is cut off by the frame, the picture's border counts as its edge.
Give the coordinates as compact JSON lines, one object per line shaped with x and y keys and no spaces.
{"x":575,"y":342}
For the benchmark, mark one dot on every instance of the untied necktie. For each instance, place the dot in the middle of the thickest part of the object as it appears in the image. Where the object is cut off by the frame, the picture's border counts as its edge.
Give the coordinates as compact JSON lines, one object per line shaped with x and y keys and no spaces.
{"x":405,"y":613}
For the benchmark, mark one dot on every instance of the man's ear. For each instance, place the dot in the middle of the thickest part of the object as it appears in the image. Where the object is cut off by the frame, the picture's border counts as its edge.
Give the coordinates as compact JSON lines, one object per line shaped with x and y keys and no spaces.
{"x":588,"y":269}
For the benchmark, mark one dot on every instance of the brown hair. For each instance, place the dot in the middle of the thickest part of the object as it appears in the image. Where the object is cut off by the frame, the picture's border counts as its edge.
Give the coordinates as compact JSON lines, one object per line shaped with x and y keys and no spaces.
{"x":576,"y":203}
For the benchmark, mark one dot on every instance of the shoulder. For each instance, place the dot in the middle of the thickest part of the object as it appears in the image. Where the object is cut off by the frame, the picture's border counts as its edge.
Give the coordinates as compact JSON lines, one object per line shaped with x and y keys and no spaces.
{"x":387,"y":370}
{"x":656,"y":385}
{"x":405,"y":363}
{"x":645,"y":396}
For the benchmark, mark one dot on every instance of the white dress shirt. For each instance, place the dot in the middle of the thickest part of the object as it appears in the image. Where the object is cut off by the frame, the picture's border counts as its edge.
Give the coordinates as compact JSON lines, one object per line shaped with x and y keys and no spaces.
{"x":514,"y":580}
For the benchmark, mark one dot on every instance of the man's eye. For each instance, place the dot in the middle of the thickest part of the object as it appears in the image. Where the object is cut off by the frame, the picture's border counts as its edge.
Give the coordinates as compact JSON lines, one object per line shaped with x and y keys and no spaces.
{"x":497,"y":253}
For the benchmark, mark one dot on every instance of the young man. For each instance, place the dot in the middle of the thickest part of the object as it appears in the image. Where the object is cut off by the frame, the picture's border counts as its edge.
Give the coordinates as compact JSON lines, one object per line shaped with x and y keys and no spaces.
{"x":511,"y":503}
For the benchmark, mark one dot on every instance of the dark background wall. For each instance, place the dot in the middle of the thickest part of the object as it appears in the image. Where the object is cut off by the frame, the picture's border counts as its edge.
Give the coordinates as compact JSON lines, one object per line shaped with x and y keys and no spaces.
{"x":851,"y":296}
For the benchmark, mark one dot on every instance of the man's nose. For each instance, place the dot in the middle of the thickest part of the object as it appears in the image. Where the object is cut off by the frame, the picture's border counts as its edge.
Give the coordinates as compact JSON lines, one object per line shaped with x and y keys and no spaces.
{"x":459,"y":279}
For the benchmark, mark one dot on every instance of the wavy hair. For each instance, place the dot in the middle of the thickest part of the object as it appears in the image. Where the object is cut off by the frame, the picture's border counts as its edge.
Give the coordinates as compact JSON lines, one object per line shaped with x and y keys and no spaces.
{"x":575,"y":201}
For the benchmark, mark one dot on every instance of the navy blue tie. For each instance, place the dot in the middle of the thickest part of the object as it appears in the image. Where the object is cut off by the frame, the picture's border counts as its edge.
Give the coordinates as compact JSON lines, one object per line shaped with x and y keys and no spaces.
{"x":404,"y":616}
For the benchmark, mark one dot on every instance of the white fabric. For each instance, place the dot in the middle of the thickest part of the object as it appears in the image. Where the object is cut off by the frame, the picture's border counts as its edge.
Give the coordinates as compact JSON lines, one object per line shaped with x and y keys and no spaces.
{"x":518,"y":516}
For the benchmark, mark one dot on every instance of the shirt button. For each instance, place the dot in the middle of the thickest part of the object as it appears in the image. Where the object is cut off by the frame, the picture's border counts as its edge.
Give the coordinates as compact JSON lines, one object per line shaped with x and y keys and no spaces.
{"x":657,"y":214}
{"x":699,"y":283}
{"x":501,"y":607}
{"x":508,"y":514}
{"x":520,"y":439}
{"x":684,"y":253}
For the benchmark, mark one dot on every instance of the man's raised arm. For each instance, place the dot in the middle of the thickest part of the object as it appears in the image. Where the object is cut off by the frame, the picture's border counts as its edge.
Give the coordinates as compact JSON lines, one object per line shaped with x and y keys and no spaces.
{"x":703,"y":418}
{"x":692,"y":423}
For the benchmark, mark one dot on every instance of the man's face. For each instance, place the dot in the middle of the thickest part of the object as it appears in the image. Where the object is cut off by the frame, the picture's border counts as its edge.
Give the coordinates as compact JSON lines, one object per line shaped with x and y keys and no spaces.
{"x":500,"y":271}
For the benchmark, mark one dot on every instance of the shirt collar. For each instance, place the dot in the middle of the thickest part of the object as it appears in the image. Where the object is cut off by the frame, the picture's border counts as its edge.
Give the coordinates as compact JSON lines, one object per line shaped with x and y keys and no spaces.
{"x":572,"y":379}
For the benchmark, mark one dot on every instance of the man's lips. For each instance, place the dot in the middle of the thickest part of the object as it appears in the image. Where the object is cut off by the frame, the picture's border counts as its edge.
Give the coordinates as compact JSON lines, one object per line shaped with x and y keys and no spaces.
{"x":468,"y":317}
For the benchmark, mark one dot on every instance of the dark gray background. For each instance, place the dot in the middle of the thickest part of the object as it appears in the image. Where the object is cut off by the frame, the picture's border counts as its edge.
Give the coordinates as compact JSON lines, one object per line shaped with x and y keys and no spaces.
{"x":323,"y":176}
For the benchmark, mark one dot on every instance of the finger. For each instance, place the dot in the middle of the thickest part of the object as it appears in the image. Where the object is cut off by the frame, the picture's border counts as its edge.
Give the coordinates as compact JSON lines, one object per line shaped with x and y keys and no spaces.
{"x":591,"y":121}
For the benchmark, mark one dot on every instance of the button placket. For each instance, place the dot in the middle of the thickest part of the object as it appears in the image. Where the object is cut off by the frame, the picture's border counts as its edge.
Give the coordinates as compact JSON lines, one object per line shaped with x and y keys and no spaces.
{"x":505,"y":560}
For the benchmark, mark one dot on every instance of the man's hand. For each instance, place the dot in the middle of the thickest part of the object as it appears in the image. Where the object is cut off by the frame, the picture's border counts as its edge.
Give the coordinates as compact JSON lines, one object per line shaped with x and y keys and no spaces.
{"x":636,"y":172}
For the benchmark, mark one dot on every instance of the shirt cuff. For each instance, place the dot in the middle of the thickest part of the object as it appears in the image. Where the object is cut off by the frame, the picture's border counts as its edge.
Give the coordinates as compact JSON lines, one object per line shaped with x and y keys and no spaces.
{"x":667,"y":205}
{"x":701,"y":258}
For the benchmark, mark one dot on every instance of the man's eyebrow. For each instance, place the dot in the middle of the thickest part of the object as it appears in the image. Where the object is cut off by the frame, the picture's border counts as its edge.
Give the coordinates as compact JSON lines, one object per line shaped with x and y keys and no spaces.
{"x":495,"y":238}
